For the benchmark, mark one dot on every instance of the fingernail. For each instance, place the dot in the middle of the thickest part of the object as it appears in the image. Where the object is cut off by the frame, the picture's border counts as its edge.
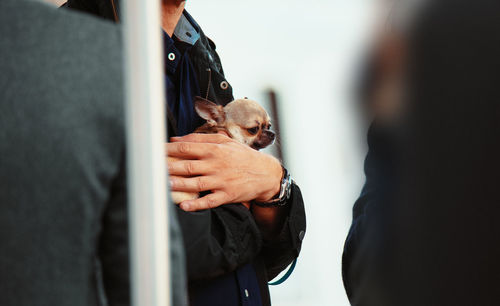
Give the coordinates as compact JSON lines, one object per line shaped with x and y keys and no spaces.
{"x":186,"y":206}
{"x":171,"y":183}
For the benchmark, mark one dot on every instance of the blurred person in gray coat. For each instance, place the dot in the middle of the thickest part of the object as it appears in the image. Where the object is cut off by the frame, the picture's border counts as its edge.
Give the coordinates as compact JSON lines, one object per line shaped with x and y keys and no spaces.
{"x":63,"y":208}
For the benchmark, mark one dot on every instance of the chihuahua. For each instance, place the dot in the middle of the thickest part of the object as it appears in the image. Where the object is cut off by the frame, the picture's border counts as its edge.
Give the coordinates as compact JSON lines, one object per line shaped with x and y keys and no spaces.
{"x":243,"y":120}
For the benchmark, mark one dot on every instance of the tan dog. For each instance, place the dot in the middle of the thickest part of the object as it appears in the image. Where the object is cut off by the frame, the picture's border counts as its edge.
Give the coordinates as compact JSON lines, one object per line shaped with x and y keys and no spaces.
{"x":243,"y":120}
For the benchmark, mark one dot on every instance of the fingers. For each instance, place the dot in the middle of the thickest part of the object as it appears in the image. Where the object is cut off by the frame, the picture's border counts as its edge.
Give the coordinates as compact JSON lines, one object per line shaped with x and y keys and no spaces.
{"x":207,"y":202}
{"x":188,"y":149}
{"x":223,"y":133}
{"x":206,"y":138}
{"x":188,"y":167}
{"x":193,"y":184}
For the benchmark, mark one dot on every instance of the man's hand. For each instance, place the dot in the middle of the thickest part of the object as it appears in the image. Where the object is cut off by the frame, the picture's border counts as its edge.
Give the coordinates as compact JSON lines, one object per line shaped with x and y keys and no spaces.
{"x":232,"y":171}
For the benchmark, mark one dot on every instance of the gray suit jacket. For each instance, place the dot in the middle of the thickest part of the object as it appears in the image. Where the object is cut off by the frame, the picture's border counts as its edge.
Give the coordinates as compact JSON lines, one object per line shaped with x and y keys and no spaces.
{"x":63,"y":213}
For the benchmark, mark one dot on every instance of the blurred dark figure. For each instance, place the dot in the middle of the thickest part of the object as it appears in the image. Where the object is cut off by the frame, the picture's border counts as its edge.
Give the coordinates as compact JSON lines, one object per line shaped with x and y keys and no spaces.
{"x":63,"y":212}
{"x":425,"y":228}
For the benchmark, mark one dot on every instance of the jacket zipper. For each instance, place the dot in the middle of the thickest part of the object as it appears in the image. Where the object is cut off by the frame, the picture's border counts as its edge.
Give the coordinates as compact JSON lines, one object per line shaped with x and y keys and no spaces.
{"x":209,"y":81}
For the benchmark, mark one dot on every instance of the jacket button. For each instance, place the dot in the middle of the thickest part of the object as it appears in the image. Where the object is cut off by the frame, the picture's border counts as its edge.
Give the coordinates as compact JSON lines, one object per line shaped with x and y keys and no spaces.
{"x":301,"y":235}
{"x":224,"y":85}
{"x":171,"y":56}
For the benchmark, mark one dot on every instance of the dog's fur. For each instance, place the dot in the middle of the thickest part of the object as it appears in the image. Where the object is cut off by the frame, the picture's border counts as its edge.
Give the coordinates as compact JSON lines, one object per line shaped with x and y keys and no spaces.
{"x":243,"y":120}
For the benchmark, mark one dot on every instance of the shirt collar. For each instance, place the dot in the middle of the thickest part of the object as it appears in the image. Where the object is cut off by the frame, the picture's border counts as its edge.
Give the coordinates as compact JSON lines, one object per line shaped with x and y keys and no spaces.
{"x":187,"y":30}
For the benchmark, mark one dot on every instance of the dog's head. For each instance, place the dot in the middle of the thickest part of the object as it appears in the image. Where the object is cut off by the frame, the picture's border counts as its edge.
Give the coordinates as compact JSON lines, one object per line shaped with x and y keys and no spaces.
{"x":245,"y":120}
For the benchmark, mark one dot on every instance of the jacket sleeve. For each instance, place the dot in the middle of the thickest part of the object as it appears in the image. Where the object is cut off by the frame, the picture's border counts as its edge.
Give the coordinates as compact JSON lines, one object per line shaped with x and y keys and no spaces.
{"x":219,"y":240}
{"x":282,"y":250}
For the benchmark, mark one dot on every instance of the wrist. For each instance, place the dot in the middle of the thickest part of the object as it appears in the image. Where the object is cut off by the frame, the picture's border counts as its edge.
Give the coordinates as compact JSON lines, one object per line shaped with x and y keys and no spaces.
{"x":284,"y":195}
{"x":274,"y":182}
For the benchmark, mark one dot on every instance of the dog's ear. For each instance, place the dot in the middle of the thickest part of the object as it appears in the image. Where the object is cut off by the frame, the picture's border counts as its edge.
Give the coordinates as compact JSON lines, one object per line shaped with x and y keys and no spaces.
{"x":213,"y":113}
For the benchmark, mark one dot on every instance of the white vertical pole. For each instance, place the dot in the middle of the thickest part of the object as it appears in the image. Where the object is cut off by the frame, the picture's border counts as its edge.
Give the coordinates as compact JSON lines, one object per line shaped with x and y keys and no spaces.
{"x":146,"y":157}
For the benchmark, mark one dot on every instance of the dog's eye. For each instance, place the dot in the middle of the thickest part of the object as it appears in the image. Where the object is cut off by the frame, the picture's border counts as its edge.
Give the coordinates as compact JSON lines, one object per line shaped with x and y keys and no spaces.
{"x":253,"y":130}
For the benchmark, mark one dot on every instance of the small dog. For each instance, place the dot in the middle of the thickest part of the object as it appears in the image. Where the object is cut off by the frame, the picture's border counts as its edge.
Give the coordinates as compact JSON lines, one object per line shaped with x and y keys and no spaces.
{"x":243,"y":120}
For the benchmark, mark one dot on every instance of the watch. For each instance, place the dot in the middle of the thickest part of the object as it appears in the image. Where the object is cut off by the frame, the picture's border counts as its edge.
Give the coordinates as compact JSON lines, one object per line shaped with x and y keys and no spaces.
{"x":283,"y":196}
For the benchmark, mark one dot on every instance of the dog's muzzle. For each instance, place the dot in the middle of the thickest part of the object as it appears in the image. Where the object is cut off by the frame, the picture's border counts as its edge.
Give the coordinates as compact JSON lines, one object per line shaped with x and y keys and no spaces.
{"x":264,"y":140}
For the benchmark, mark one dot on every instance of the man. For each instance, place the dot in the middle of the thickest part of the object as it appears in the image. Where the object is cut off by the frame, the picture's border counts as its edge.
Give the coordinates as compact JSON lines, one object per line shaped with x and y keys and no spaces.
{"x":432,"y":236}
{"x":63,"y":212}
{"x":231,"y":251}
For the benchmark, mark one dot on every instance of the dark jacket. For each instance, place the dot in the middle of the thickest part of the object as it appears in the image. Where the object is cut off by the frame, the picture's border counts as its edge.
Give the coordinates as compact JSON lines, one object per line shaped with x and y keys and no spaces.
{"x":63,"y":208}
{"x":220,"y":240}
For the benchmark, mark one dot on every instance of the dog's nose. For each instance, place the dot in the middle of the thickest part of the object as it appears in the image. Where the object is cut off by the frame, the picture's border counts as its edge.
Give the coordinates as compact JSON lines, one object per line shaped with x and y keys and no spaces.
{"x":270,"y":134}
{"x":265,"y":139}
